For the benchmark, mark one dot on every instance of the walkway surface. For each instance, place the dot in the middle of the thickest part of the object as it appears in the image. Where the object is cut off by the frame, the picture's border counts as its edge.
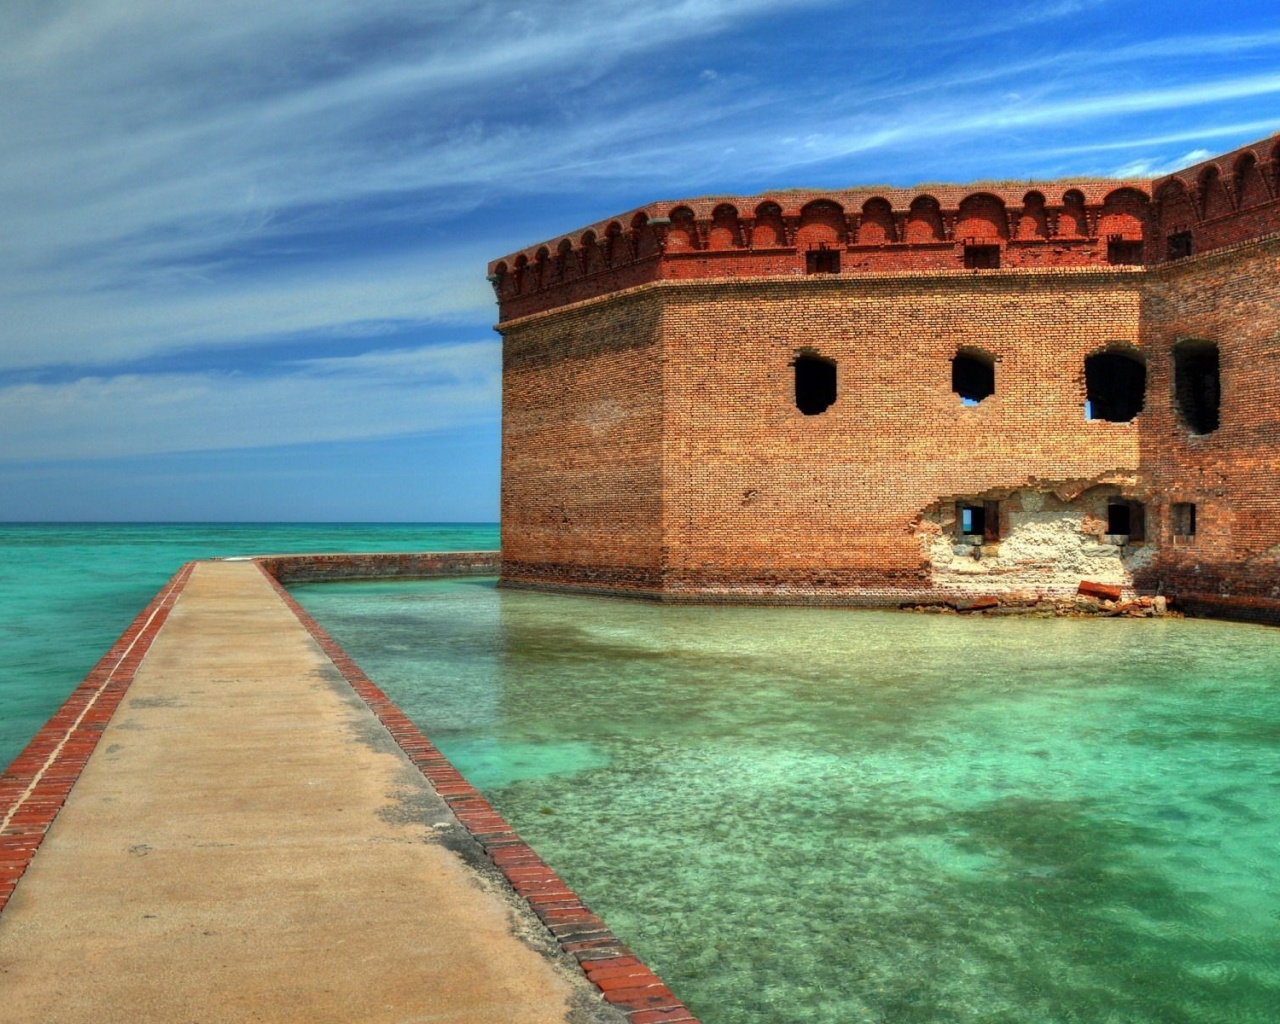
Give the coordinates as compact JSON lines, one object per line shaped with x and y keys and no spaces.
{"x":247,"y":843}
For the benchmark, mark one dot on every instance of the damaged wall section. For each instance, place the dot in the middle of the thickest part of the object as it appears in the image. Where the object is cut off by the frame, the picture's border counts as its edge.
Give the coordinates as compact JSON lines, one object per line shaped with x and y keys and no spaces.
{"x":1050,"y":539}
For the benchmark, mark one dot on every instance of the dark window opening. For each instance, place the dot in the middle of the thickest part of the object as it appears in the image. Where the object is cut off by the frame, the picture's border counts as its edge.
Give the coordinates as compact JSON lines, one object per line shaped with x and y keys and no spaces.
{"x":1115,"y":387}
{"x":982,"y":257}
{"x":1196,"y":385}
{"x":815,"y":384}
{"x":1184,"y":519}
{"x":973,"y":378}
{"x":1127,"y":519}
{"x":1123,"y":253}
{"x":822,"y":261}
{"x":973,"y":520}
{"x":1179,"y":245}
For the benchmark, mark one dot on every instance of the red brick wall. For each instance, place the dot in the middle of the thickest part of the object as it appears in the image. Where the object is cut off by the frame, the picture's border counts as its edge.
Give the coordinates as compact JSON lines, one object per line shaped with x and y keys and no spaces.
{"x":581,"y":446}
{"x":681,"y":463}
{"x":1224,"y":201}
{"x":1232,"y":475}
{"x":1053,"y":224}
{"x":652,"y":443}
{"x":760,"y":495}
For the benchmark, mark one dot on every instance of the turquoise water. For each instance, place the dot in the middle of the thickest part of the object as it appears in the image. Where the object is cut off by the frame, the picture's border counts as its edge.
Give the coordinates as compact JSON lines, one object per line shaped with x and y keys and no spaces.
{"x":67,"y":590}
{"x":801,"y":815}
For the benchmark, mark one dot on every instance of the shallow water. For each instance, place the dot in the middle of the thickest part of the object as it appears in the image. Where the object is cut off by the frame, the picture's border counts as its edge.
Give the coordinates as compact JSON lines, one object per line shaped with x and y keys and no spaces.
{"x":67,"y":590}
{"x":831,"y":816}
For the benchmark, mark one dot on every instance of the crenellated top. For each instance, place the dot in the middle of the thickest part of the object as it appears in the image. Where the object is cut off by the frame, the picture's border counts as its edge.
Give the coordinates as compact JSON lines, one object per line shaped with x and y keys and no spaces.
{"x":927,"y":228}
{"x":1220,"y":201}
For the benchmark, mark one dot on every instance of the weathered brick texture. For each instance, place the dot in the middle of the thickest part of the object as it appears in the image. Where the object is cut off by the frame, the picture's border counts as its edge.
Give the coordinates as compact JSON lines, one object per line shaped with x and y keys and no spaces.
{"x":582,"y":446}
{"x":652,"y":442}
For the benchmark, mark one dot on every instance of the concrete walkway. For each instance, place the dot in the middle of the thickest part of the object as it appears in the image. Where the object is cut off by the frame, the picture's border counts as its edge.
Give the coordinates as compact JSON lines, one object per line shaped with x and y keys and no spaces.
{"x":247,"y":843}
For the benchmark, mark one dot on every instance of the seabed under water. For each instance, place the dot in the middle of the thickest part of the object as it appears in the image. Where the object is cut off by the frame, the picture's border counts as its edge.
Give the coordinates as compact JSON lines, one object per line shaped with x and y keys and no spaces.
{"x":830,"y":816}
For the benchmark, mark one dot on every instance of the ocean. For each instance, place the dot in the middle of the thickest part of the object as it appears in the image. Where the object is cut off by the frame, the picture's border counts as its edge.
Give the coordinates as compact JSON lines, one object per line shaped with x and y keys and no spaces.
{"x":800,"y":816}
{"x":67,"y":590}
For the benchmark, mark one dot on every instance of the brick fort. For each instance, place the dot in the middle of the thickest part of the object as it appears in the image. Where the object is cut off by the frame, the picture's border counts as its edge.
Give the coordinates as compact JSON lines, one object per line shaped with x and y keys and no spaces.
{"x":887,"y":396}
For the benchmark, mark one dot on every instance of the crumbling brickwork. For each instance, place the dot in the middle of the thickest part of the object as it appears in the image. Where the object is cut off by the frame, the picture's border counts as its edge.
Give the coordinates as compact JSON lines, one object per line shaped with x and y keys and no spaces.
{"x":1032,"y":387}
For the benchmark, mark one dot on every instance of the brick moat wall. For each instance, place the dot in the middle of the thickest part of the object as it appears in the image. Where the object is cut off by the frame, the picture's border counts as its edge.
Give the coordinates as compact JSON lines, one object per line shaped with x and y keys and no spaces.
{"x":378,"y":565}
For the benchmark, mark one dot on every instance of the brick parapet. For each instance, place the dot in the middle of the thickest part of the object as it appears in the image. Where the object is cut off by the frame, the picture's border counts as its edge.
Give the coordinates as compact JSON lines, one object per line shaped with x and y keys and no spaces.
{"x":1217,"y":202}
{"x":1221,"y":201}
{"x":856,"y":261}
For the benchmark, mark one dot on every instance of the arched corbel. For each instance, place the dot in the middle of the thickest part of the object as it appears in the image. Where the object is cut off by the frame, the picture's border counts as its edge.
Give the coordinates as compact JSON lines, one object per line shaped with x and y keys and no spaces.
{"x":1233,"y":196}
{"x":1267,"y":168}
{"x":1092,"y":214}
{"x":1195,"y":197}
{"x":659,"y":226}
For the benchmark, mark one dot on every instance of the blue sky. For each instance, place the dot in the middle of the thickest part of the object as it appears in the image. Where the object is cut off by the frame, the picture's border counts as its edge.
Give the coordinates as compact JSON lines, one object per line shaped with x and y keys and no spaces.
{"x":243,"y":242}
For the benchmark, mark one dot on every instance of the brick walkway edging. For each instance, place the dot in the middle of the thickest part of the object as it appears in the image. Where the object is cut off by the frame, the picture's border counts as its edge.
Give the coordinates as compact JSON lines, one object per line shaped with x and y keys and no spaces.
{"x":36,"y":784}
{"x":615,"y":970}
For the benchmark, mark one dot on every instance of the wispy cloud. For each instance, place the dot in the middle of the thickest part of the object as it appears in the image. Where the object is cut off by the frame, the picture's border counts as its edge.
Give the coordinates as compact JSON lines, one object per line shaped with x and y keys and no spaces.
{"x":1146,"y":167}
{"x":372,"y":395}
{"x":344,"y":295}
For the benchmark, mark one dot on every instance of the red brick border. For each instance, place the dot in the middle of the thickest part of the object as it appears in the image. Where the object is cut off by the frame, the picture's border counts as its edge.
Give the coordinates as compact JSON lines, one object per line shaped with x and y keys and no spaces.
{"x":35,"y":786}
{"x":614,"y":969}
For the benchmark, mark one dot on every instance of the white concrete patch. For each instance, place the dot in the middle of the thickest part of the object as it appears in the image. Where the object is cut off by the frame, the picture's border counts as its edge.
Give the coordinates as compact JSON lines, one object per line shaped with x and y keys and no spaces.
{"x":1047,"y":547}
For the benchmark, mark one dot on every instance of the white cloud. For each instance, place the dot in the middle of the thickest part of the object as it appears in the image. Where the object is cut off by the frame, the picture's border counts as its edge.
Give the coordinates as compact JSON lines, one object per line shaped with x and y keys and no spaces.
{"x":943,"y":119}
{"x":1154,"y":167}
{"x":372,"y":395}
{"x":350,"y":298}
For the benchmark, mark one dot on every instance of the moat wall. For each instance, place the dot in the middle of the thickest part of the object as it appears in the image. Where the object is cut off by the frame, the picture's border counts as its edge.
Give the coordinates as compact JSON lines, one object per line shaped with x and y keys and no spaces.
{"x":378,"y":565}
